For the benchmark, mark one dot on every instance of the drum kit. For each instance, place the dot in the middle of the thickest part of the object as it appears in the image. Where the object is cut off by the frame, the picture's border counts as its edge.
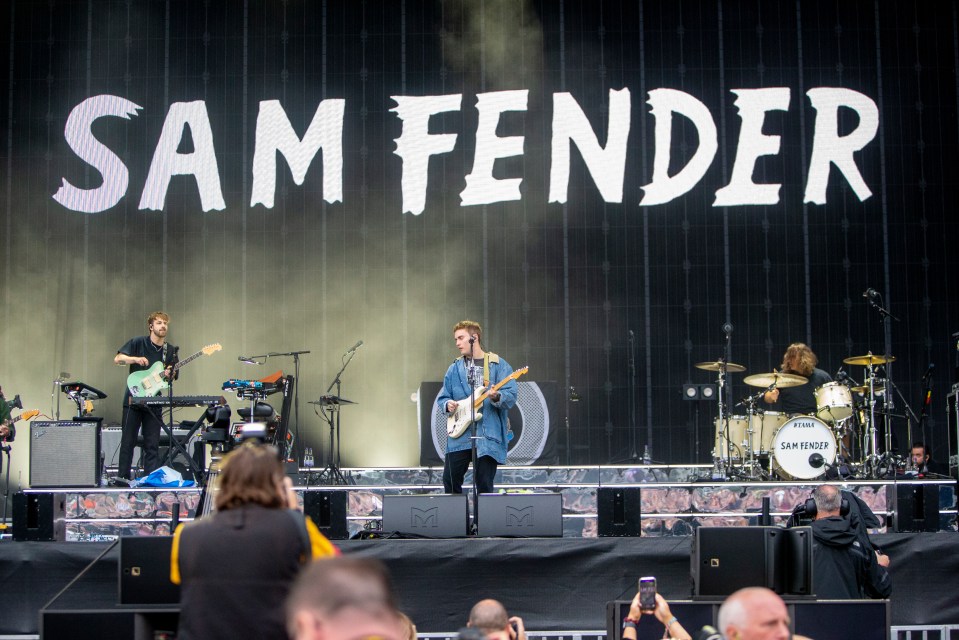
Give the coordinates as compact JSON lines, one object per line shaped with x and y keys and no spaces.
{"x":842,"y":434}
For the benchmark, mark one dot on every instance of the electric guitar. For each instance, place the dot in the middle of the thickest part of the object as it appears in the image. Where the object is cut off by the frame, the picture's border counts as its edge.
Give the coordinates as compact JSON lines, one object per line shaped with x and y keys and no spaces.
{"x":460,"y":419}
{"x":150,"y":382}
{"x":26,"y":415}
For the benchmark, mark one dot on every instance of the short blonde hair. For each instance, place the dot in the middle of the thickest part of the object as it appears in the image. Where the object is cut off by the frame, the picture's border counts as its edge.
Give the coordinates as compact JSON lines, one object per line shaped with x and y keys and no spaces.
{"x":470,"y":326}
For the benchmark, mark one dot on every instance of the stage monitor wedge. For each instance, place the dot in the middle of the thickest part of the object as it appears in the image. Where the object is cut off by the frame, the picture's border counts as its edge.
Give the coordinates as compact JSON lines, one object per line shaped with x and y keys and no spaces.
{"x":428,"y":516}
{"x":520,"y":515}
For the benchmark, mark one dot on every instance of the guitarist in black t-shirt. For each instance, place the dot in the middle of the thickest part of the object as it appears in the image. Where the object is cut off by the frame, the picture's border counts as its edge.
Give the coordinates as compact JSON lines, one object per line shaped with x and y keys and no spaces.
{"x":141,"y":353}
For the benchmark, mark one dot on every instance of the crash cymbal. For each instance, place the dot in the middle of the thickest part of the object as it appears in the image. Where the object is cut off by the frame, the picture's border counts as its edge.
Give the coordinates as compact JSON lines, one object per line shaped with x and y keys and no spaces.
{"x":869,"y":359}
{"x":718,"y":366}
{"x":781,"y":380}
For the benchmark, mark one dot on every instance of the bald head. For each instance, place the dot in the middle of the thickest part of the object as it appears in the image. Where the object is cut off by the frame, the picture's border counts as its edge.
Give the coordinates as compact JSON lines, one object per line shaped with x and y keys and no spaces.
{"x":828,"y":501}
{"x":754,"y":613}
{"x":489,"y":616}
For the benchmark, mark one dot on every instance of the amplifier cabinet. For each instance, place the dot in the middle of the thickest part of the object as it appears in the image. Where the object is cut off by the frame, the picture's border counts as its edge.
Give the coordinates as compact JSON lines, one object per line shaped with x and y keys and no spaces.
{"x":64,"y":454}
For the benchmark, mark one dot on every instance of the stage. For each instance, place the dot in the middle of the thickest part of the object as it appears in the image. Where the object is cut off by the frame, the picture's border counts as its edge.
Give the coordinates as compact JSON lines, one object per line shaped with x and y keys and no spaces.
{"x":554,"y":584}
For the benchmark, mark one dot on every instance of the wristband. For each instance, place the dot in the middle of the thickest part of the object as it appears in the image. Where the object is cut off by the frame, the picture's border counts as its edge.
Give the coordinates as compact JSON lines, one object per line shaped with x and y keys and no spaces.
{"x":629,"y":624}
{"x":670,"y":622}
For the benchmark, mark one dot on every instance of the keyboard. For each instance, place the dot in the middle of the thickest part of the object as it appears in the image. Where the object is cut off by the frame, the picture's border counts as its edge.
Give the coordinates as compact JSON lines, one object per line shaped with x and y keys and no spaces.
{"x":179,"y":401}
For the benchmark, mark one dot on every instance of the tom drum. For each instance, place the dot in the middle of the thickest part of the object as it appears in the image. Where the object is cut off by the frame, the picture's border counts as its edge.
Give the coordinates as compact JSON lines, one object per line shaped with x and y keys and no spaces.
{"x":833,"y":402}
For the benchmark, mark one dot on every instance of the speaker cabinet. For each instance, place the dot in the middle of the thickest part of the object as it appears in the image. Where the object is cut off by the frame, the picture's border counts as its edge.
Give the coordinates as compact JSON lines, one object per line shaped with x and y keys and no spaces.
{"x":144,"y":571}
{"x":521,"y":515}
{"x":327,"y":510}
{"x":726,"y":559}
{"x":38,"y":516}
{"x":619,"y":511}
{"x":64,"y":454}
{"x":429,"y":516}
{"x":915,"y":506}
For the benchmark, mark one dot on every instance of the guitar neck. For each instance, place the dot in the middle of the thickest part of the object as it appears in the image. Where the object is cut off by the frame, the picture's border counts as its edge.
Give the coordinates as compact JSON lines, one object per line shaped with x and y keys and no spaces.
{"x":187,"y":360}
{"x":513,"y":376}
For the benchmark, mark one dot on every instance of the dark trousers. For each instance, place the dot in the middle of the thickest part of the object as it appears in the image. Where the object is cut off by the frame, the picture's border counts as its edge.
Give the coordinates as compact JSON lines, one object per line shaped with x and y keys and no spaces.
{"x":454,"y":470}
{"x":135,"y":418}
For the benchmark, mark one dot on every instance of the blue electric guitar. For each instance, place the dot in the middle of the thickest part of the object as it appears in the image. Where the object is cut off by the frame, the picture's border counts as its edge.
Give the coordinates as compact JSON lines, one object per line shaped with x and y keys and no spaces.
{"x":150,"y":382}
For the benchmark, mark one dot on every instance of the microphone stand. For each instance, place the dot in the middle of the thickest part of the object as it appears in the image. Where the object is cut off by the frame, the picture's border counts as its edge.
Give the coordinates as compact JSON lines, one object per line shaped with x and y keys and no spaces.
{"x":887,"y":403}
{"x":296,"y":395}
{"x":333,"y":467}
{"x":471,"y":381}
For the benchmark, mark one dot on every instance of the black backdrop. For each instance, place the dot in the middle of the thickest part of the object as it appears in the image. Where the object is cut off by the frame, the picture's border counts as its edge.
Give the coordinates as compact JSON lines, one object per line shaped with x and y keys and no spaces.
{"x":579,"y":291}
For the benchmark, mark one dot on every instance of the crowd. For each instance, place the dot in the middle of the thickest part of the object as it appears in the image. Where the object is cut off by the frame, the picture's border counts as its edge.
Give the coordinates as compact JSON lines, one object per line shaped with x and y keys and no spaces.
{"x":269,"y":573}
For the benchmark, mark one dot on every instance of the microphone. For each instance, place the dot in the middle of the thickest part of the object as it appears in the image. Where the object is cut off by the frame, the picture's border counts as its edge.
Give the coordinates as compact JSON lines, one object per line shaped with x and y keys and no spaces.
{"x":355,"y":347}
{"x":816,"y":461}
{"x":727,"y":328}
{"x":248,"y":360}
{"x":709,"y":633}
{"x":870,"y":293}
{"x":928,"y":372}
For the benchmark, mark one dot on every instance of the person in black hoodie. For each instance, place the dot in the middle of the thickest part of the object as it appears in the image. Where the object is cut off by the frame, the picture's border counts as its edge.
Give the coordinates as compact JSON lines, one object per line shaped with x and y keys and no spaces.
{"x":843,"y":566}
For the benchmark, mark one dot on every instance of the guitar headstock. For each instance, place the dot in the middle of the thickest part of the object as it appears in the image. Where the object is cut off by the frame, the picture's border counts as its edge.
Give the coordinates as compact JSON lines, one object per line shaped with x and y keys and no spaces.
{"x":522,"y":371}
{"x":26,"y":415}
{"x":210,"y":349}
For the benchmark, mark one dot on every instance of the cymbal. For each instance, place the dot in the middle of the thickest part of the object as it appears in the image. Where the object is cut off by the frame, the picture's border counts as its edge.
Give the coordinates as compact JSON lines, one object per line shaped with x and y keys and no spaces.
{"x":781,"y":380}
{"x":718,"y":366}
{"x":869,"y":359}
{"x":876,"y":388}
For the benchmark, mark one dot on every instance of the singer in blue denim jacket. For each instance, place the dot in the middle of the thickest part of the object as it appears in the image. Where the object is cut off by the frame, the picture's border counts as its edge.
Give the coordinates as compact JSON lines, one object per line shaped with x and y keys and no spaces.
{"x":493,"y":427}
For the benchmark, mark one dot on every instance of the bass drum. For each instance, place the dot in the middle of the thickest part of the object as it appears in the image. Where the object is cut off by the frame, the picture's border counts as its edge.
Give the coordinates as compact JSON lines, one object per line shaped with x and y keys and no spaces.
{"x":803,"y":447}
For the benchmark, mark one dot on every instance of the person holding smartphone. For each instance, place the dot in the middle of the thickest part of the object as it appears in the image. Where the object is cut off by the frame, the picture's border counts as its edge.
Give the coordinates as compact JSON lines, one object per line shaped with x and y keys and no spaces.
{"x":655,"y":605}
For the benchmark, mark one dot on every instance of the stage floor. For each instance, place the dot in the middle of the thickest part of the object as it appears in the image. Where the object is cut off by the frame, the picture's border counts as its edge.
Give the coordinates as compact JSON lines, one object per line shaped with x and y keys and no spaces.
{"x":554,"y":584}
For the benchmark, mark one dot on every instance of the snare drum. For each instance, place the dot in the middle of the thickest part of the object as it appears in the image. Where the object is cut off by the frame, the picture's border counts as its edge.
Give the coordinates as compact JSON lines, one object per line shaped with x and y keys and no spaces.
{"x":798,"y":447}
{"x":737,"y":438}
{"x":765,"y":426}
{"x":833,"y":402}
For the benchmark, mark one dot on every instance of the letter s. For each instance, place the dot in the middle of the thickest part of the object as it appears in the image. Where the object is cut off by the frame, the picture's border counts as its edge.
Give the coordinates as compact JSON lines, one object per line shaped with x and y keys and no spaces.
{"x":77,"y":133}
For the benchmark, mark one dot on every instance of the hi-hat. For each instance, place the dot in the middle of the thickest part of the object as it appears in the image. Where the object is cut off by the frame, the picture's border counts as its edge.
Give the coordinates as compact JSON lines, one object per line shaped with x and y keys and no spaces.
{"x":718,"y":366}
{"x":869,"y":359}
{"x":328,"y":400}
{"x":780,"y":380}
{"x":877,"y":389}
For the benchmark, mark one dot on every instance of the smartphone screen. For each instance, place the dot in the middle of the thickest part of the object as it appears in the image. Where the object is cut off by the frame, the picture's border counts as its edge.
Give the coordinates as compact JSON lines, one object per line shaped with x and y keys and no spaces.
{"x":647,"y":594}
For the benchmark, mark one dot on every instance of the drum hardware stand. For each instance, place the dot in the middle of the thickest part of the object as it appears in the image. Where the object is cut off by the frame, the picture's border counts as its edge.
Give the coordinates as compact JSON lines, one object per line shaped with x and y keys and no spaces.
{"x":752,"y":470}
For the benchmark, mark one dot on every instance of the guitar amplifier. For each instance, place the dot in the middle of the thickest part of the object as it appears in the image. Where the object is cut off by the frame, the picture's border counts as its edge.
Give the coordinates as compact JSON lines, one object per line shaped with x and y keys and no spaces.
{"x":64,"y":454}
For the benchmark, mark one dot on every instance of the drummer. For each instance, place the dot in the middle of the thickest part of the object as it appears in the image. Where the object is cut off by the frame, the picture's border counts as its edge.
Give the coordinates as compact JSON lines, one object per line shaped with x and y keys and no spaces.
{"x":799,"y":360}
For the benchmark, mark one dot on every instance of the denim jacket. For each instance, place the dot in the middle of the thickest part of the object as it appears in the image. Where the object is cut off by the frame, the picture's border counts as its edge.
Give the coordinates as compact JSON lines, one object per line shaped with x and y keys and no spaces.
{"x":493,"y":426}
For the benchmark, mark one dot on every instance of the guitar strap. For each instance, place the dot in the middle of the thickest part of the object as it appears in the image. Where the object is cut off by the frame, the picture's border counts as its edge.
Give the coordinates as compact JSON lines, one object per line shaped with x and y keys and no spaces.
{"x":486,"y":370}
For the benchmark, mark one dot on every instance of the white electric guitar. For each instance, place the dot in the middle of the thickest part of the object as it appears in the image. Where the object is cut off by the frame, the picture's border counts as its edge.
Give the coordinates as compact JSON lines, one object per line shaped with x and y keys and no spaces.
{"x":460,"y":419}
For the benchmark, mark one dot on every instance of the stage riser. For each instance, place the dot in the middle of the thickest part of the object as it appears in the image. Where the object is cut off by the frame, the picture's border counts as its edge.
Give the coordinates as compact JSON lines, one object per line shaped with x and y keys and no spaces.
{"x":668,"y":507}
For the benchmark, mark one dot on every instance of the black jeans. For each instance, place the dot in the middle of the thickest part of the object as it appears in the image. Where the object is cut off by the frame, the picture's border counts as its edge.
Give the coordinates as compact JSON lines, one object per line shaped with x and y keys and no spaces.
{"x":454,"y":470}
{"x":134,"y":418}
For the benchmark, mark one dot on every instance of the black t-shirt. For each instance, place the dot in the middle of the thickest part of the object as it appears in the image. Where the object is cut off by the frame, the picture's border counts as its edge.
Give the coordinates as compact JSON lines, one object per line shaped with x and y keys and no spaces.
{"x":801,"y":399}
{"x":143,"y":347}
